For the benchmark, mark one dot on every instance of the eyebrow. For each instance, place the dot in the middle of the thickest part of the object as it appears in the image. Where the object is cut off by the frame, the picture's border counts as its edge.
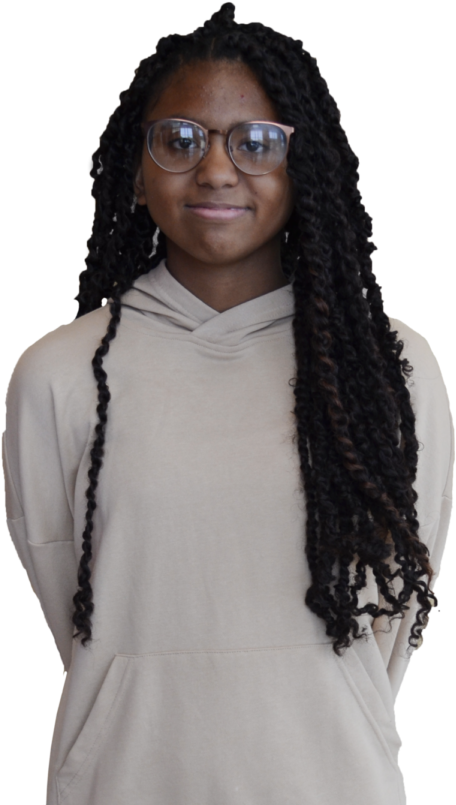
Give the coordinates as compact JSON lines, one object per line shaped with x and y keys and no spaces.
{"x":199,"y":121}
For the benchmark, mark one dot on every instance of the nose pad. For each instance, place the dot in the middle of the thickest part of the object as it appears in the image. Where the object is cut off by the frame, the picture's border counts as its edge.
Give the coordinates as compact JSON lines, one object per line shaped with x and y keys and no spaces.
{"x":225,"y":147}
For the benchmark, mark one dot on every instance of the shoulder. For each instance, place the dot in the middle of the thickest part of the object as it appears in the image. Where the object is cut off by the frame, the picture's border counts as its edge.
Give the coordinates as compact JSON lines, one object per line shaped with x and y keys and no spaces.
{"x":61,"y":356}
{"x":429,"y":398}
{"x":417,"y":351}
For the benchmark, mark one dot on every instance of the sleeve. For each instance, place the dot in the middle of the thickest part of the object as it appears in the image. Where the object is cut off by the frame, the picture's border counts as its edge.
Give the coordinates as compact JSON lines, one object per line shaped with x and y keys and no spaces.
{"x":435,"y":434}
{"x":38,"y":509}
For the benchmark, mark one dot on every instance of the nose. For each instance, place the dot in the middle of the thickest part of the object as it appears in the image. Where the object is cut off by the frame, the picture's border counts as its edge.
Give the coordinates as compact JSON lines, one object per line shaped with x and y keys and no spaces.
{"x":217,"y":160}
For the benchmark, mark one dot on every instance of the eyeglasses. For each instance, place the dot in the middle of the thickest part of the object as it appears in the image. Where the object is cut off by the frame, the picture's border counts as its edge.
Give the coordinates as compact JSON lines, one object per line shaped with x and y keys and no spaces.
{"x":256,"y":147}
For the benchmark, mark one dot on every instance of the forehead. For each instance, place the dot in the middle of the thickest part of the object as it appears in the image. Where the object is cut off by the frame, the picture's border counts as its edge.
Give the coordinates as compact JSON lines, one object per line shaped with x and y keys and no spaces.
{"x":216,"y":94}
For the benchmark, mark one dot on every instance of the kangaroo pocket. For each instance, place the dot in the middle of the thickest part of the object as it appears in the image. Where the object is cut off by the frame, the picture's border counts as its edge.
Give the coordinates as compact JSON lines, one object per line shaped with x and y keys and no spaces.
{"x":293,"y":725}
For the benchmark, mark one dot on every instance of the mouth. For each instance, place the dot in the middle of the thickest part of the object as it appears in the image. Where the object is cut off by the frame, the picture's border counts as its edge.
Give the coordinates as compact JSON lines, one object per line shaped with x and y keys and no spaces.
{"x":217,"y":212}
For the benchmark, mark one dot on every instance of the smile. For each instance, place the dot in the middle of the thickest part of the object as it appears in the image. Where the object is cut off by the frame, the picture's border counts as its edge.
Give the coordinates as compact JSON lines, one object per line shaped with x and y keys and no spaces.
{"x":218,"y":213}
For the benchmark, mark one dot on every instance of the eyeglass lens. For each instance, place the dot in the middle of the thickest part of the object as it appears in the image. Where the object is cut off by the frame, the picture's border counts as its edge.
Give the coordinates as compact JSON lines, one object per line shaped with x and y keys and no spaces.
{"x":255,"y":148}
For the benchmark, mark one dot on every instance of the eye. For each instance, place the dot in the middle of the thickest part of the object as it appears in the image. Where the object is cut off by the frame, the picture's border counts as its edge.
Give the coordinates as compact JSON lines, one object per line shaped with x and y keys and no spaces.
{"x":252,"y":146}
{"x":182,"y":143}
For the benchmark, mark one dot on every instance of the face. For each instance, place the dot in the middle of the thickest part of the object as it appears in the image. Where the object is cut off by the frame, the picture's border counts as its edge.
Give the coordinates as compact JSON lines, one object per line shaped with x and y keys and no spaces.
{"x":217,"y":95}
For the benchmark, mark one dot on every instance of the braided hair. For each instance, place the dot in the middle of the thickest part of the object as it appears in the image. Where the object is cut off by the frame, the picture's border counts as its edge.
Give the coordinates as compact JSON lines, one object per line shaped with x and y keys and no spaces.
{"x":355,"y":427}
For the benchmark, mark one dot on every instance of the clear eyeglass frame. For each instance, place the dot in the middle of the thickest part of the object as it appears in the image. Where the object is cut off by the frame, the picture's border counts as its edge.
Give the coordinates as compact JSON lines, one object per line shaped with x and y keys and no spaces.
{"x":147,"y":125}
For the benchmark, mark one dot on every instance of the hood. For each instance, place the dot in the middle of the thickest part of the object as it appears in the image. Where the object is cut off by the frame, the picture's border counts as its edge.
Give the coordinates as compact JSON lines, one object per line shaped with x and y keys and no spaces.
{"x":159,"y":296}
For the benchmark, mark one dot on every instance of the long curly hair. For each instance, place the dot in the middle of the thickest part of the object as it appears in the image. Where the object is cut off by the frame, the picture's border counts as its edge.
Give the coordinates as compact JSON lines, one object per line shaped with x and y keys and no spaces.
{"x":355,"y":427}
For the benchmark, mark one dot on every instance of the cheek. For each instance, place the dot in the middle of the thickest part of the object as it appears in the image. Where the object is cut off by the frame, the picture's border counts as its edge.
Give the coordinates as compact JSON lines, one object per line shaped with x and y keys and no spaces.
{"x":273,"y":192}
{"x":275,"y":199}
{"x":163,"y":192}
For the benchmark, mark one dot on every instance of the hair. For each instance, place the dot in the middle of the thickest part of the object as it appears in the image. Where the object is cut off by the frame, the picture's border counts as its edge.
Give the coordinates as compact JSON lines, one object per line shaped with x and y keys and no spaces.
{"x":355,"y":427}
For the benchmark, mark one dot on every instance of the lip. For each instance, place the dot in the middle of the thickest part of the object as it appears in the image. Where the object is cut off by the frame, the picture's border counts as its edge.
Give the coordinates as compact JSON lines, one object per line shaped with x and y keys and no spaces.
{"x":217,"y":212}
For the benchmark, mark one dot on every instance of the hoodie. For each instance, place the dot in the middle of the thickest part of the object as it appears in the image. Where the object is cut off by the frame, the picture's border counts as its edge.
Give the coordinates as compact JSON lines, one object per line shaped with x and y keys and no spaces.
{"x":208,"y":680}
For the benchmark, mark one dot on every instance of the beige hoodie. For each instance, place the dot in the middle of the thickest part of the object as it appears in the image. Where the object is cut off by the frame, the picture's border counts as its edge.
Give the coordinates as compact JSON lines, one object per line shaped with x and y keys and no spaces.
{"x":209,"y":681}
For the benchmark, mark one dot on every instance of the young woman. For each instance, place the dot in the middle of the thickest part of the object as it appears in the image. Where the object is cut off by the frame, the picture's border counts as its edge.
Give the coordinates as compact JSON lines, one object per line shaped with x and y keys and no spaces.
{"x":215,"y":476}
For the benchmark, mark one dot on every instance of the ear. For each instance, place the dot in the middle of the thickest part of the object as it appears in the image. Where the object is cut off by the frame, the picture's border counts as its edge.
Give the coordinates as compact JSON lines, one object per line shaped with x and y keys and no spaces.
{"x":138,"y":187}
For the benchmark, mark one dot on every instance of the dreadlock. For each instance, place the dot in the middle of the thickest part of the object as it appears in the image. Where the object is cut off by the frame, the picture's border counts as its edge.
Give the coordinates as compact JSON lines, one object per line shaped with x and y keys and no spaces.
{"x":355,"y":427}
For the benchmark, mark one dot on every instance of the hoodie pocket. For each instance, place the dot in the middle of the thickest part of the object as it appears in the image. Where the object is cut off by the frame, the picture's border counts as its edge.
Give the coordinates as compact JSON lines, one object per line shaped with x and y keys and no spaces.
{"x":89,"y":742}
{"x":378,"y":709}
{"x":292,"y":725}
